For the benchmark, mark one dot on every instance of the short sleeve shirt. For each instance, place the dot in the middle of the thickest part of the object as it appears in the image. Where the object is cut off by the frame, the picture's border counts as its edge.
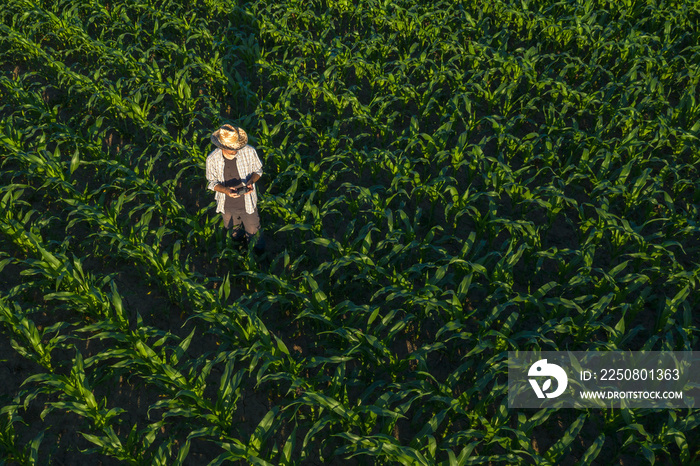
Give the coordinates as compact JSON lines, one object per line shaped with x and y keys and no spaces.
{"x":247,"y":162}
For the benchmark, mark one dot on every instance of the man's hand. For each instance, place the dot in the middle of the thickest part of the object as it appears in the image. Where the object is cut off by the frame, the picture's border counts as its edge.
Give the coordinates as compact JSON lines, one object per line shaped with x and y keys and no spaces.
{"x":232,"y":192}
{"x":240,"y":190}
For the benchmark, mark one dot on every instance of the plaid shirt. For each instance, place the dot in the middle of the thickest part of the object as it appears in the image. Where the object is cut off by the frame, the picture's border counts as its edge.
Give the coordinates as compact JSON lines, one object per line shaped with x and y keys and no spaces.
{"x":247,"y":162}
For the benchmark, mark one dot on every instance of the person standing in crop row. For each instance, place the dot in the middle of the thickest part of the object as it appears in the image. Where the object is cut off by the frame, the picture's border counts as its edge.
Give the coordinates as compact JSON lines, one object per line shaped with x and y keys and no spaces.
{"x":232,"y":170}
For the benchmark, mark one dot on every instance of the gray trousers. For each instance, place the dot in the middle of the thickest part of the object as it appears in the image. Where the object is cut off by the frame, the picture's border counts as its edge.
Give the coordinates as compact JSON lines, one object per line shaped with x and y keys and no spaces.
{"x":233,"y":219}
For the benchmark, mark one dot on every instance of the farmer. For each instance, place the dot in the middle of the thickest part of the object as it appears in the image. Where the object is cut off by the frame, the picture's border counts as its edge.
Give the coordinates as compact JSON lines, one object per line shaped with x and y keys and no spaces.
{"x":232,"y":170}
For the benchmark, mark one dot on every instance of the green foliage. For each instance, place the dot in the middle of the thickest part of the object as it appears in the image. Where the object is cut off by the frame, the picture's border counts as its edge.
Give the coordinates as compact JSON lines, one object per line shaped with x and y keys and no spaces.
{"x":444,"y":182}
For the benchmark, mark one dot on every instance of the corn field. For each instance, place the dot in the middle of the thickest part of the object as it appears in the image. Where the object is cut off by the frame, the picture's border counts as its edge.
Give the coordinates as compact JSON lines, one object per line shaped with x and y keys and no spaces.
{"x":443,"y":182}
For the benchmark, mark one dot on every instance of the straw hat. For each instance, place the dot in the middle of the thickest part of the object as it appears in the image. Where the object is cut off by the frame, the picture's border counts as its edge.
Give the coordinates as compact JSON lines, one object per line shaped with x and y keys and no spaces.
{"x":229,"y":137}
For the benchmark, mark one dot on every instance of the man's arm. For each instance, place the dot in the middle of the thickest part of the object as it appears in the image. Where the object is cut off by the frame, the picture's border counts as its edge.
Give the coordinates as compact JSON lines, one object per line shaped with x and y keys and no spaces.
{"x":253,"y":178}
{"x":220,"y":188}
{"x":255,"y":168}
